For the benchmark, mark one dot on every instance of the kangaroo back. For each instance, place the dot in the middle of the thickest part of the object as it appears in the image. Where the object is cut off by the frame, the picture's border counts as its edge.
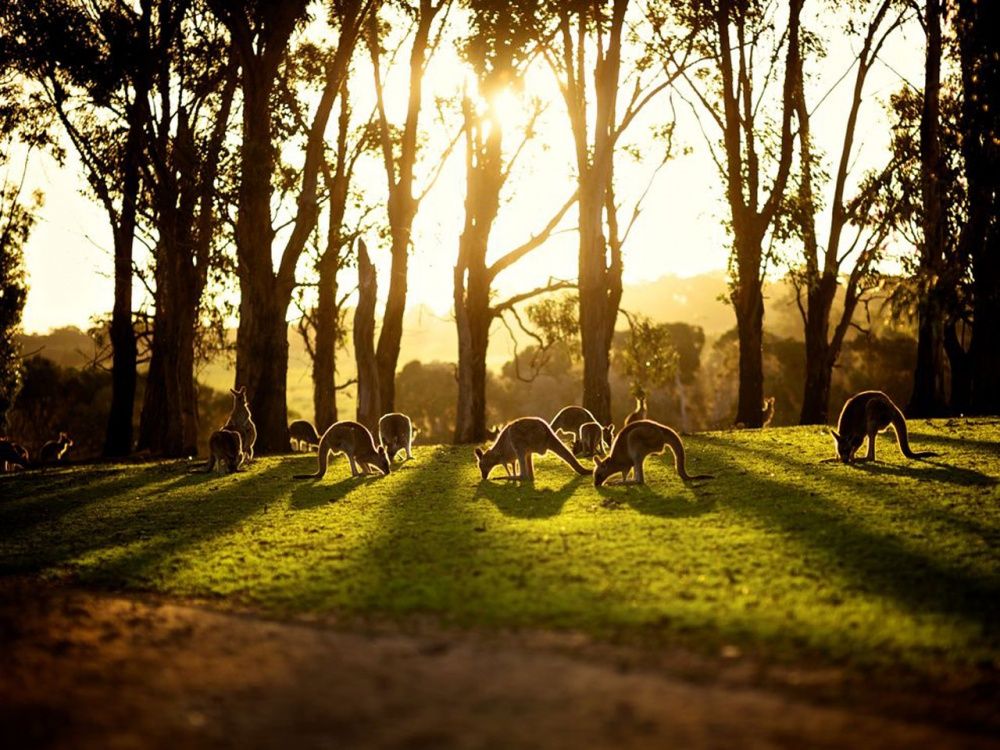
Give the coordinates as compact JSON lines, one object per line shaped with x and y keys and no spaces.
{"x":673,"y":441}
{"x":558,"y":447}
{"x":902,"y":437}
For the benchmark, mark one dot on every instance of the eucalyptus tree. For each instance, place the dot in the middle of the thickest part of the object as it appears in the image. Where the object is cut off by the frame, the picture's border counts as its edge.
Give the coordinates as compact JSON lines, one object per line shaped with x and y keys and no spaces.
{"x":752,"y":51}
{"x":583,"y":45}
{"x":839,"y":260}
{"x":260,"y":37}
{"x":400,"y":149}
{"x":498,"y":49}
{"x":976,"y":27}
{"x":95,"y":65}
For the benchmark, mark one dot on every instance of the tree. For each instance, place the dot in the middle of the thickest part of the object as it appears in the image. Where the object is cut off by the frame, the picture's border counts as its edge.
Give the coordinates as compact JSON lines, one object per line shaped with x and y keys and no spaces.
{"x":498,"y":54}
{"x":751,"y":144}
{"x":977,"y":23}
{"x":577,"y":31}
{"x":93,"y":59}
{"x":817,"y":277}
{"x":260,"y":35}
{"x":364,"y":338}
{"x":648,"y":357}
{"x":190,"y":116}
{"x":929,"y":398}
{"x":400,"y":150}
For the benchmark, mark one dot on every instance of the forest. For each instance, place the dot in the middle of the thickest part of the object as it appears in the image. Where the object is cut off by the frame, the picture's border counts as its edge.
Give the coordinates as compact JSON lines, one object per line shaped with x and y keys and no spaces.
{"x":261,"y":168}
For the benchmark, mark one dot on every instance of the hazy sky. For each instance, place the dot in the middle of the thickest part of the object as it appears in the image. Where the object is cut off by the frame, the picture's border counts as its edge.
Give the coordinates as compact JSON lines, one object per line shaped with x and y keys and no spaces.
{"x":69,"y":256}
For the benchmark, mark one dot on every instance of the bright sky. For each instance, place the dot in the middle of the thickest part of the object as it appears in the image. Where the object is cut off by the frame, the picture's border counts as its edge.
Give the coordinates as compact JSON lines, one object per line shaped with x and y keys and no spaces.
{"x":69,"y":256}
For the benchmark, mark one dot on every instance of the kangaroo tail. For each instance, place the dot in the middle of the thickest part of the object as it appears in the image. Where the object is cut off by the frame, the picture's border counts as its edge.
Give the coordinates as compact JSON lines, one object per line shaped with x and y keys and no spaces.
{"x":558,"y":447}
{"x":902,"y":437}
{"x":673,"y":441}
{"x":321,"y":459}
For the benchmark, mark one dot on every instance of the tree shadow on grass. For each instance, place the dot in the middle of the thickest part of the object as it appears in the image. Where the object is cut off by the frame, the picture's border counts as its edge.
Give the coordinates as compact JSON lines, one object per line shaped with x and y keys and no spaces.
{"x":312,"y":493}
{"x":523,"y":499}
{"x":126,"y":533}
{"x":882,"y":562}
{"x":928,"y":470}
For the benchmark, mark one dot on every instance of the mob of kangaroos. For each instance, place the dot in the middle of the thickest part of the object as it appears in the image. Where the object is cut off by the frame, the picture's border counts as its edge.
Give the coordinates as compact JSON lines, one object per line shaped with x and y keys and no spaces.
{"x":515,"y":444}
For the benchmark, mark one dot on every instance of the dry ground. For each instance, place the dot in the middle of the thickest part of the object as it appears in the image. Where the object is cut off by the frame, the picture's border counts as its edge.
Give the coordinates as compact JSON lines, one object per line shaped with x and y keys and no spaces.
{"x":84,"y":669}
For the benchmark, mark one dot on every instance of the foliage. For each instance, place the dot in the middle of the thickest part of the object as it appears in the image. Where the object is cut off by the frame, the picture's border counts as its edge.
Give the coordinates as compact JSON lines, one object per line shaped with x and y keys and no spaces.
{"x":648,"y":357}
{"x":856,"y":567}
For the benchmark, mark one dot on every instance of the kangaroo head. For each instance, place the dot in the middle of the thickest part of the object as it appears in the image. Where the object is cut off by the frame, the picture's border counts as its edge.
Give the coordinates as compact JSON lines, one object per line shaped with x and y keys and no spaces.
{"x":485,"y":462}
{"x":601,"y":471}
{"x":239,"y":396}
{"x":847,"y":445}
{"x":383,"y":460}
{"x":609,"y":434}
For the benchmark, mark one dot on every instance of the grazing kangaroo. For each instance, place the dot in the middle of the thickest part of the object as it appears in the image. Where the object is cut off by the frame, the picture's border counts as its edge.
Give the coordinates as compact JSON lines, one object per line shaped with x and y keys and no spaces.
{"x":518,"y":441}
{"x":633,"y":444}
{"x":865,"y":415}
{"x":570,"y":419}
{"x":241,"y":422}
{"x":640,"y":410}
{"x":591,"y":440}
{"x":356,"y":442}
{"x":225,"y":448}
{"x":54,"y":451}
{"x":12,"y":454}
{"x":396,"y":432}
{"x":767,"y":413}
{"x":303,"y":436}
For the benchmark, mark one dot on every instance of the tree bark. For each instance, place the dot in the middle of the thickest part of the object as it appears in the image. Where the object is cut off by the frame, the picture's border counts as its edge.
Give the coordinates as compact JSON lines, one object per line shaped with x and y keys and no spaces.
{"x":929,"y":398}
{"x":369,"y":406}
{"x":977,"y":25}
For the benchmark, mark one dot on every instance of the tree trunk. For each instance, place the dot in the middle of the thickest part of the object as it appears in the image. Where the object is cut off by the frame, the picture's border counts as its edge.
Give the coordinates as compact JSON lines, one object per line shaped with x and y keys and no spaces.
{"x":324,"y":359}
{"x":595,"y":328}
{"x":960,"y":365}
{"x":977,"y":24}
{"x":390,"y":337}
{"x":369,"y":406}
{"x":749,"y":303}
{"x":929,"y":399}
{"x":819,"y":355}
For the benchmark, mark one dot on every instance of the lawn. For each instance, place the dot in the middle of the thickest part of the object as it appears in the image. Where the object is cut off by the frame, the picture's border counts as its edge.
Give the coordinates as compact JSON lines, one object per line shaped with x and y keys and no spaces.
{"x":896,"y":563}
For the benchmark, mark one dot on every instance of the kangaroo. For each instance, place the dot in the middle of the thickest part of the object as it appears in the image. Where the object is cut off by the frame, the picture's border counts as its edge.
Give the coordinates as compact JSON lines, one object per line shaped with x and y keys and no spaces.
{"x":225,"y":448}
{"x":639,"y":413}
{"x":518,"y":441}
{"x":865,"y":415}
{"x":396,"y":432}
{"x":356,"y":442}
{"x":492,"y":433}
{"x":767,"y":413}
{"x":633,"y":444}
{"x":571,"y":419}
{"x":241,"y":422}
{"x":303,"y":435}
{"x":54,"y":451}
{"x":12,"y":454}
{"x":591,"y":440}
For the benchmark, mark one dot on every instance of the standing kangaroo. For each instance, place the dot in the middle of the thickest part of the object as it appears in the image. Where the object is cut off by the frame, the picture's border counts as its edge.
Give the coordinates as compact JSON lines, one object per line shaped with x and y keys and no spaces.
{"x":303,"y":435}
{"x":572,"y":418}
{"x":54,"y":451}
{"x":396,"y":433}
{"x":225,"y":448}
{"x":640,"y":410}
{"x":633,"y":444}
{"x":241,"y":422}
{"x":356,"y":442}
{"x":767,"y":412}
{"x":865,"y":415}
{"x":518,"y":441}
{"x":591,"y":441}
{"x":12,"y":454}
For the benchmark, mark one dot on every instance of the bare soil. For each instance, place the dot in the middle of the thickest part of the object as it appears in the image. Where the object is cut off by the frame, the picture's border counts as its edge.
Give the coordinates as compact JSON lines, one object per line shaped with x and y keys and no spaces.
{"x":85,"y":669}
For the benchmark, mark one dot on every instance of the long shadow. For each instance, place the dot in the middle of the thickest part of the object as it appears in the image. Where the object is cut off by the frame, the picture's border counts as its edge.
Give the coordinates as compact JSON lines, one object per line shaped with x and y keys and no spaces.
{"x":881,"y":562}
{"x":928,"y":470}
{"x":312,"y":493}
{"x":918,"y":438}
{"x":128,"y":531}
{"x":524,"y":499}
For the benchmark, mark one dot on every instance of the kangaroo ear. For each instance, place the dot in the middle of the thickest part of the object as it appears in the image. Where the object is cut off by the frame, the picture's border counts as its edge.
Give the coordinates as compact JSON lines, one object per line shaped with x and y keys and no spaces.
{"x":479,"y":453}
{"x":234,"y":392}
{"x":611,"y":429}
{"x":598,"y":461}
{"x":835,"y":434}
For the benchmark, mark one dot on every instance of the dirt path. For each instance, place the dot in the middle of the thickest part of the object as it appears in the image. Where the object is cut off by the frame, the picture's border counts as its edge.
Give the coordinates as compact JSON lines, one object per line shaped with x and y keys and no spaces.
{"x":90,"y":670}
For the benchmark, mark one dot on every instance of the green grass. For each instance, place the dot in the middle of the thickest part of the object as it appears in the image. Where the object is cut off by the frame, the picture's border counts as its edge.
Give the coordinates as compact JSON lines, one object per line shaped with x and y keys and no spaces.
{"x":894,"y":563}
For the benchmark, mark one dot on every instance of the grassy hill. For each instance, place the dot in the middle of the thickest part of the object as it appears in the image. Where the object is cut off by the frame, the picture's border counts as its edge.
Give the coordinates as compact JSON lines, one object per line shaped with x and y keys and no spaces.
{"x":892,"y":564}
